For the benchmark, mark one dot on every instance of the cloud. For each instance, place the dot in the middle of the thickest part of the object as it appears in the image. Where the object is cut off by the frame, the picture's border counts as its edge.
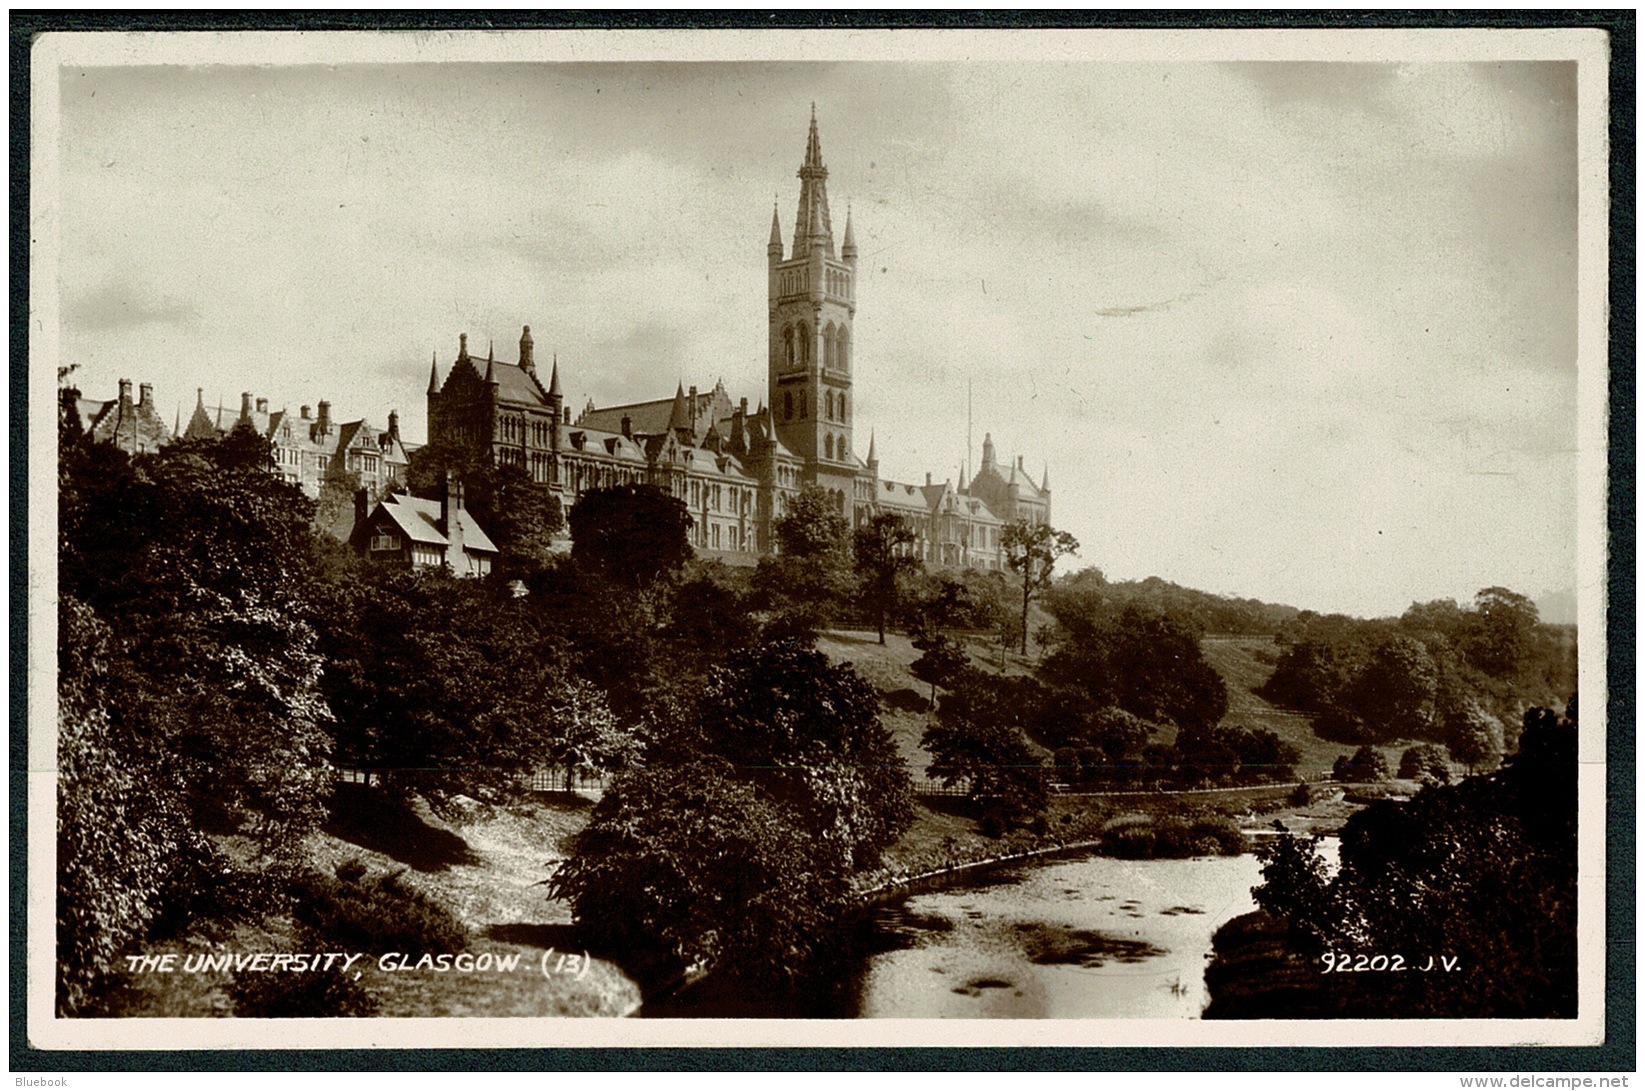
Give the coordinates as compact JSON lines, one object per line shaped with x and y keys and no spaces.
{"x":116,"y":305}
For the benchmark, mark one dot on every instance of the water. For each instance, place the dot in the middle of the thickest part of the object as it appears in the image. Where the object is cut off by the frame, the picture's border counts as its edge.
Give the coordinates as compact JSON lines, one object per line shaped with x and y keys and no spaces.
{"x":1094,"y":938}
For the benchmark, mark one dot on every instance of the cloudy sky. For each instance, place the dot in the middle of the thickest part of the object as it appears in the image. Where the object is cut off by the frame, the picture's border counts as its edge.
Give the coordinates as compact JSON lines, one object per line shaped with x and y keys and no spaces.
{"x":1300,"y":331}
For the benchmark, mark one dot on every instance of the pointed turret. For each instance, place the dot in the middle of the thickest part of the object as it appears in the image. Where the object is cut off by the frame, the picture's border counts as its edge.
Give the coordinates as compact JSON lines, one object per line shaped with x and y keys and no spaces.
{"x":848,"y":247}
{"x":554,"y":378}
{"x":987,"y":451}
{"x":491,"y":364}
{"x":872,"y":456}
{"x":679,"y":419}
{"x":1045,"y":484}
{"x":774,"y":248}
{"x":434,"y":374}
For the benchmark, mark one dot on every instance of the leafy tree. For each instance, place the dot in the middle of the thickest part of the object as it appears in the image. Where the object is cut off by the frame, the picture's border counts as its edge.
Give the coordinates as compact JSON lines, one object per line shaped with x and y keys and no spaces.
{"x":1032,"y":551}
{"x":1473,"y":736}
{"x":525,"y":521}
{"x":978,"y":741}
{"x":882,"y":554}
{"x":586,"y":736}
{"x":744,"y":852}
{"x":1147,"y":663}
{"x":1396,"y":689}
{"x":939,"y":664}
{"x":1426,"y":762}
{"x":633,"y":534}
{"x":809,"y":733}
{"x":729,"y":877}
{"x":1365,"y":767}
{"x":812,"y":526}
{"x":1502,"y":635}
{"x":447,"y":686}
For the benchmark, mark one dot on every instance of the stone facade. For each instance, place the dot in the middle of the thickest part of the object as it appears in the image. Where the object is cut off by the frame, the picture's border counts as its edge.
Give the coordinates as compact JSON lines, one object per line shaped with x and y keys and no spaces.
{"x":312,"y":449}
{"x":735,"y":469}
{"x":133,"y":426}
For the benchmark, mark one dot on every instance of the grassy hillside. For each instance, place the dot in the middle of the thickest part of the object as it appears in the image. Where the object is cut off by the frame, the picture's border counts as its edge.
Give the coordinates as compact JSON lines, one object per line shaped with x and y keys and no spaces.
{"x":1245,"y":663}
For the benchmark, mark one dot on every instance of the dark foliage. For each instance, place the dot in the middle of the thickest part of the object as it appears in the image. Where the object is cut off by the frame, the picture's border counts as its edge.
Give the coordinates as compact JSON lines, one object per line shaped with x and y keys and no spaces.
{"x":1484,"y":870}
{"x":1146,"y":663}
{"x":631,"y":534}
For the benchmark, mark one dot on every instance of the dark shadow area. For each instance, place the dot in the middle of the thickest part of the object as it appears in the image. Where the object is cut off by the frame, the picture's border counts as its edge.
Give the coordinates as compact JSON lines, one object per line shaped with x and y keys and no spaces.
{"x":382,"y":824}
{"x":1049,"y":945}
{"x":560,"y":937}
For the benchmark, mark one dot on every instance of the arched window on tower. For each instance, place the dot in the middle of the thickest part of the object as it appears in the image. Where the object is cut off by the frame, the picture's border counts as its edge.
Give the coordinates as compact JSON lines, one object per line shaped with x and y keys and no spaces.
{"x":788,"y":405}
{"x":828,"y":448}
{"x":828,"y":350}
{"x":788,"y":346}
{"x":803,"y":332}
{"x":840,"y":405}
{"x":842,"y":348}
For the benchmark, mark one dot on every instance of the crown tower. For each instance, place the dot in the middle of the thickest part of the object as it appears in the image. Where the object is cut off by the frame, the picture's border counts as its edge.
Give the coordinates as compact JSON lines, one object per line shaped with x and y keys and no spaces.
{"x":812,"y":303}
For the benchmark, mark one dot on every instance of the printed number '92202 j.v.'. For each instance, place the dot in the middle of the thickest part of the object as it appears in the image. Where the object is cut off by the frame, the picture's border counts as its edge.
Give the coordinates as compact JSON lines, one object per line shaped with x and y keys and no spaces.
{"x":1331,"y":962}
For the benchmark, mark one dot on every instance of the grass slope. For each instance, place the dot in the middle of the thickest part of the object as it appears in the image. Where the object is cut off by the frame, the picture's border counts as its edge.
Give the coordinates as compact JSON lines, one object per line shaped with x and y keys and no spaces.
{"x":1246,"y":663}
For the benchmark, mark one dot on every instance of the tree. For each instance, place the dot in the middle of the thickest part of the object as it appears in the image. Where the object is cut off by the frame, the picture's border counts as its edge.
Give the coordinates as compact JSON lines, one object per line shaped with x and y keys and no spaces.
{"x":727,"y":876}
{"x":1426,"y":762}
{"x":525,"y":521}
{"x":1031,"y":551}
{"x":1473,"y":736}
{"x":978,"y":741}
{"x":1396,"y":690}
{"x":1365,"y":767}
{"x":586,"y":737}
{"x":941,"y":662}
{"x":633,"y":534}
{"x":1503,"y":632}
{"x":813,"y":525}
{"x":809,"y":733}
{"x":882,"y":554}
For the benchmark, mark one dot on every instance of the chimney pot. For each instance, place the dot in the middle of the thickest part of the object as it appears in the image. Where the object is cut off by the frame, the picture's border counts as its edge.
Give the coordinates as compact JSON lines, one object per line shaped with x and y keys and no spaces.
{"x":928,"y":477}
{"x":145,"y":393}
{"x":305,"y":412}
{"x":245,"y":403}
{"x":628,"y":427}
{"x":262,"y":403}
{"x":125,"y":390}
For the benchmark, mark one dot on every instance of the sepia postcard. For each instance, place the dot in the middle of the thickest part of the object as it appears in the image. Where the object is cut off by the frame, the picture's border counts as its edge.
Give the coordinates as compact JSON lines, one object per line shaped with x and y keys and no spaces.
{"x":817,"y":538}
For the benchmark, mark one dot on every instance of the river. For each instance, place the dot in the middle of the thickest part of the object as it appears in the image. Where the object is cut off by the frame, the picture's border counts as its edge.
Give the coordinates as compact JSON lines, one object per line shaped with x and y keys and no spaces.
{"x":1086,"y":938}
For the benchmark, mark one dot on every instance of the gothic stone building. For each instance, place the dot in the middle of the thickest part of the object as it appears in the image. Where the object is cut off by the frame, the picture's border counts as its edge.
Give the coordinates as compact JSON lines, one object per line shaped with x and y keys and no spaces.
{"x":735,"y":469}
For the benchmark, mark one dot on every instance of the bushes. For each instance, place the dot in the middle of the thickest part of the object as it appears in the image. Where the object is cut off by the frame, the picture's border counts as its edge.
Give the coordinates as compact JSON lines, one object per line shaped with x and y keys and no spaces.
{"x":1365,"y":767}
{"x":355,"y":913}
{"x":1174,"y":838}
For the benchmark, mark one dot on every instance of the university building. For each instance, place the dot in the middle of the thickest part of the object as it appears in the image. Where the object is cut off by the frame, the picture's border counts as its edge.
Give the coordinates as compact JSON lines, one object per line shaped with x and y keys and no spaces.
{"x":737,"y":469}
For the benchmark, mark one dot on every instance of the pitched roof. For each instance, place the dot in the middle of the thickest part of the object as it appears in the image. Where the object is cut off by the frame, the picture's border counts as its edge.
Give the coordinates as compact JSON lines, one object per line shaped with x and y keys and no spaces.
{"x":420,"y":521}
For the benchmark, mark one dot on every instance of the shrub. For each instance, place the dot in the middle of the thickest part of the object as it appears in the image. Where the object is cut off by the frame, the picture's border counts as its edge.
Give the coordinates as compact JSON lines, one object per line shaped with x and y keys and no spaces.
{"x":375,"y":914}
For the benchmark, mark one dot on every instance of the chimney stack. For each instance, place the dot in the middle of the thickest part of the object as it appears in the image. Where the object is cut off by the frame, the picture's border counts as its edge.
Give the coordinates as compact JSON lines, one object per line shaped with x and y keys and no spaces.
{"x":305,"y":412}
{"x":928,"y":479}
{"x":323,"y":422}
{"x":692,"y":408}
{"x":125,"y":393}
{"x":262,"y":403}
{"x":145,"y":393}
{"x":394,"y":425}
{"x":628,"y":427}
{"x":245,"y":405}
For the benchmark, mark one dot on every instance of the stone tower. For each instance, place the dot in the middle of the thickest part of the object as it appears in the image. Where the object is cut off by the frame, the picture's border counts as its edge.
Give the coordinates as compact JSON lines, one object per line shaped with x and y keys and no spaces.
{"x":812,"y":302}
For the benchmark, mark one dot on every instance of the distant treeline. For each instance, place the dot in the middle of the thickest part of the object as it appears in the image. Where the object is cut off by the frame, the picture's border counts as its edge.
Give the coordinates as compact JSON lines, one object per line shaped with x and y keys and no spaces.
{"x":1440,"y":671}
{"x":1201,"y":610}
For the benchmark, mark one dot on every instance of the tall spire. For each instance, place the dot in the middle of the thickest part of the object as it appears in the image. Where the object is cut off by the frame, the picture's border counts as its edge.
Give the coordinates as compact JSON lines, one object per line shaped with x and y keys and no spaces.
{"x":848,"y":247}
{"x":812,"y":229}
{"x":775,"y":247}
{"x":1045,"y":485}
{"x":872,"y":457}
{"x":434,"y":374}
{"x":491,"y":363}
{"x":554,"y":378}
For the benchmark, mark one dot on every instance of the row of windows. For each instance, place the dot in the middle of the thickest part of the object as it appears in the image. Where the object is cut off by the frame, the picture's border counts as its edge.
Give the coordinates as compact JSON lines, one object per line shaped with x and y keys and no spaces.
{"x":515,"y":429}
{"x":796,"y":346}
{"x":714,"y":496}
{"x":837,"y":282}
{"x":835,"y":448}
{"x":833,"y":405}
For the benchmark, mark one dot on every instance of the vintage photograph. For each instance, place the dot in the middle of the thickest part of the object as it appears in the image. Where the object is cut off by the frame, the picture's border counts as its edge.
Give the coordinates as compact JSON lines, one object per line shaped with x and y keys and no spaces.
{"x":1032,"y":537}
